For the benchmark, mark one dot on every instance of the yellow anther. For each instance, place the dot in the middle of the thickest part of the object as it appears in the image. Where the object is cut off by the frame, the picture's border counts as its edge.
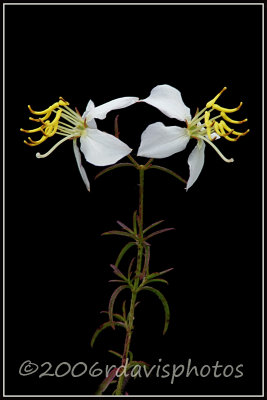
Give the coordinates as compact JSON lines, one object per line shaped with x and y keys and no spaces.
{"x":48,"y":110}
{"x":225,"y":126}
{"x":231,"y":139}
{"x":232,"y":120}
{"x":207,"y":121}
{"x":31,"y":130}
{"x":211,"y":102}
{"x":35,"y":142}
{"x":217,"y":128}
{"x":226,"y":110}
{"x":240,"y":133}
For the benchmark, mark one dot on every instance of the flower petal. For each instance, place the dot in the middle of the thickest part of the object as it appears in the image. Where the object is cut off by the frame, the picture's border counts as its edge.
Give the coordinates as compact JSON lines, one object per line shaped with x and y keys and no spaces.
{"x":100,"y":112}
{"x":159,"y":141}
{"x":196,"y":162}
{"x":90,"y":122}
{"x":101,"y":148}
{"x":169,"y":101}
{"x":79,"y":163}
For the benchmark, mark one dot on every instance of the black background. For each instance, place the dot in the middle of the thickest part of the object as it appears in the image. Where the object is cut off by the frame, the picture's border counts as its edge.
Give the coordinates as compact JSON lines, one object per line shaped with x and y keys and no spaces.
{"x":57,"y":263}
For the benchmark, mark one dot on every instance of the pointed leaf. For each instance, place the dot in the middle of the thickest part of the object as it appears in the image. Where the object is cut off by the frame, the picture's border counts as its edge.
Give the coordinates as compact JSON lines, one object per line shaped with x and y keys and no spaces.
{"x":158,"y":232}
{"x":168,"y":172}
{"x":118,"y":316}
{"x":124,"y":310}
{"x":157,"y":280}
{"x":115,"y":353}
{"x":131,"y":356}
{"x":164,"y":303}
{"x":106,"y":382}
{"x":123,"y":251}
{"x":135,"y":222}
{"x":119,"y":274}
{"x":146,"y":263}
{"x":113,"y":167}
{"x":130,"y":267}
{"x":120,"y":233}
{"x":153,"y":225}
{"x":102,"y":327}
{"x":125,"y":227}
{"x":155,"y":274}
{"x":141,"y":363}
{"x":112,"y":301}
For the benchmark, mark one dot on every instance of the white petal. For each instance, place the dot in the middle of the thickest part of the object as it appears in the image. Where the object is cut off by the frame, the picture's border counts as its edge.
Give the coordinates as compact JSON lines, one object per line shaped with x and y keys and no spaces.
{"x":196,"y":162}
{"x":100,"y":112}
{"x":90,"y":107}
{"x":159,"y":141}
{"x":90,"y":121}
{"x":101,"y":148}
{"x":91,"y":124}
{"x":169,"y":101}
{"x":79,"y":163}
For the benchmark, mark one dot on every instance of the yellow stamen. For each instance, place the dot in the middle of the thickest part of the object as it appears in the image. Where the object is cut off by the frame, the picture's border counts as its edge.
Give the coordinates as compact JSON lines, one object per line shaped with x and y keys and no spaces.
{"x":217,"y":128}
{"x":35,"y":142}
{"x":226,"y":110}
{"x":232,"y":120}
{"x":240,"y":133}
{"x":211,"y":102}
{"x":61,"y":102}
{"x":31,"y":130}
{"x":224,"y":125}
{"x":208,"y":124}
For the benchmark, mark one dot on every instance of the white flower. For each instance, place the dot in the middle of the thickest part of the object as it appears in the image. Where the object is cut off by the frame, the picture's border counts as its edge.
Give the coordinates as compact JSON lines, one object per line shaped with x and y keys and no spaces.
{"x":159,"y":141}
{"x":99,"y":148}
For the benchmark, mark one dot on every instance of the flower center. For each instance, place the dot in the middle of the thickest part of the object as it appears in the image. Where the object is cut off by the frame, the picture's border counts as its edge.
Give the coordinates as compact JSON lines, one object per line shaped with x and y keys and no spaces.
{"x":203,"y":126}
{"x":73,"y":126}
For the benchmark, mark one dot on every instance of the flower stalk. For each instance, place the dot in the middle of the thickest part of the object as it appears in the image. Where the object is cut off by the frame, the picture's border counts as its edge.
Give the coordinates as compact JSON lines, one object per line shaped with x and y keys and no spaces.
{"x":130,"y":325}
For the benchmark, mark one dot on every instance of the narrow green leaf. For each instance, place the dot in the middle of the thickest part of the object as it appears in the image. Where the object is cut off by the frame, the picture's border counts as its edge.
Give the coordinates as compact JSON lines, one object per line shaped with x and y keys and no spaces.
{"x":158,"y":232}
{"x":106,"y":382}
{"x":119,"y":274}
{"x":123,"y":251}
{"x":124,"y":310}
{"x":169,"y":171}
{"x":102,"y":327}
{"x":155,"y":274}
{"x":125,"y":227}
{"x":153,"y":225}
{"x":157,"y":280}
{"x":131,"y":356}
{"x":164,"y":303}
{"x":130,"y":267}
{"x":146,"y":262}
{"x":113,"y":167}
{"x":120,"y":233}
{"x":135,"y":222}
{"x":141,"y":363}
{"x":118,"y":316}
{"x":112,"y":301}
{"x":115,"y":353}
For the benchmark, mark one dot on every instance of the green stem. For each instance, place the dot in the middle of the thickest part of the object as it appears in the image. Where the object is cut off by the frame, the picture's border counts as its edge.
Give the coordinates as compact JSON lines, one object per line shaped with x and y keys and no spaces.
{"x":130,"y":327}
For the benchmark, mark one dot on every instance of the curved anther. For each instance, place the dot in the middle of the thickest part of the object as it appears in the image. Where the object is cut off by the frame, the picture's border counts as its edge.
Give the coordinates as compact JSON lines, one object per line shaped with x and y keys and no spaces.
{"x":241,"y":133}
{"x":31,"y":130}
{"x":226,"y":110}
{"x":211,"y":102}
{"x":35,"y":142}
{"x":232,"y":120}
